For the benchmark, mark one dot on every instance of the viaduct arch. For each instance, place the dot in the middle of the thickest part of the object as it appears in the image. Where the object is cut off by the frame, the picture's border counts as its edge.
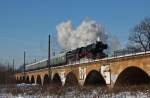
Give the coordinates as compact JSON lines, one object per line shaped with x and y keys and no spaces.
{"x":132,"y":76}
{"x":94,"y":78}
{"x":71,"y":80}
{"x":32,"y":79}
{"x":57,"y":79}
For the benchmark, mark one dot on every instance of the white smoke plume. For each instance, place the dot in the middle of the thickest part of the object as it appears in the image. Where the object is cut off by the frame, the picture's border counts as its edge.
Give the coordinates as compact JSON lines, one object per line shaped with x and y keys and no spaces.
{"x":113,"y":44}
{"x":86,"y":33}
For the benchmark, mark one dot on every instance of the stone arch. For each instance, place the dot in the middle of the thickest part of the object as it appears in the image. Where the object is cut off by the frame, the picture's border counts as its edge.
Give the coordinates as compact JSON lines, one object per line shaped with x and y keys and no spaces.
{"x":132,"y":75}
{"x":24,"y":78}
{"x":38,"y":80}
{"x":57,"y":80}
{"x":32,"y":79}
{"x":94,"y":78}
{"x":18,"y":79}
{"x":27,"y":79}
{"x":71,"y":79}
{"x":21,"y":80}
{"x":46,"y":79}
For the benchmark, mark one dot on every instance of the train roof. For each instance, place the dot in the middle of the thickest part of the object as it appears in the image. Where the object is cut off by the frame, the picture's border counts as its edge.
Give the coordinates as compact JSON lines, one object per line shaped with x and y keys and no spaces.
{"x":59,"y":55}
{"x":39,"y":62}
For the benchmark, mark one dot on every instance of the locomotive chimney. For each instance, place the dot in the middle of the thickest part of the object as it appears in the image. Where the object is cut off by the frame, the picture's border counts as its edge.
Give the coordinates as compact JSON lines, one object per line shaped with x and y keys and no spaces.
{"x":98,"y":39}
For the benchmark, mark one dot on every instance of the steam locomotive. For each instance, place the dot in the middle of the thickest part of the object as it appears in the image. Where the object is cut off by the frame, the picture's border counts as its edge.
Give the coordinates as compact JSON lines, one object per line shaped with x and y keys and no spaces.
{"x":92,"y":51}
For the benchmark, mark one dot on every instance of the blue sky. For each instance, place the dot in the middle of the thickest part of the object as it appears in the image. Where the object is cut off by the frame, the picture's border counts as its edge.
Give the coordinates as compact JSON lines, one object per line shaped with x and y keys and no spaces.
{"x":25,"y":24}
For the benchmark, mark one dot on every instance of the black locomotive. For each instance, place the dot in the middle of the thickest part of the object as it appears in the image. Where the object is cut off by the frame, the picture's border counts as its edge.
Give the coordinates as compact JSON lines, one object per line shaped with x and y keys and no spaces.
{"x":92,"y":51}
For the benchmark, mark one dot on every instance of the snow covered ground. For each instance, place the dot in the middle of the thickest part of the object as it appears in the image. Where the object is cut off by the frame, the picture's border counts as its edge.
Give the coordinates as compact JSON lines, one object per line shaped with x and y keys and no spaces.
{"x":93,"y":95}
{"x":35,"y":91}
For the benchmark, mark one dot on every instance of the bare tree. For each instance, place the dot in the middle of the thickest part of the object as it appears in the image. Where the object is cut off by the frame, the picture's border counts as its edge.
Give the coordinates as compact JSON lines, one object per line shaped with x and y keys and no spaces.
{"x":6,"y":74}
{"x":139,"y":38}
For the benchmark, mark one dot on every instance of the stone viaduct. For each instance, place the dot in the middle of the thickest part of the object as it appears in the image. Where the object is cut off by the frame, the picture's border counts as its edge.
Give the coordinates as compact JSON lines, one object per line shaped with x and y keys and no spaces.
{"x":111,"y":71}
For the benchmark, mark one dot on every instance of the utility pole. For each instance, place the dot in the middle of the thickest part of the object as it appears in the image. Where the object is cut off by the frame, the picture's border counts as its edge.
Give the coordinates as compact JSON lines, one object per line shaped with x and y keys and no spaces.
{"x":24,"y":65}
{"x":49,"y":56}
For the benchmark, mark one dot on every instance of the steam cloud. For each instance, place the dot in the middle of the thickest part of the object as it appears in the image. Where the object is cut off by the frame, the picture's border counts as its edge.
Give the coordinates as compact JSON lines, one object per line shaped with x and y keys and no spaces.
{"x":86,"y":33}
{"x":113,"y":44}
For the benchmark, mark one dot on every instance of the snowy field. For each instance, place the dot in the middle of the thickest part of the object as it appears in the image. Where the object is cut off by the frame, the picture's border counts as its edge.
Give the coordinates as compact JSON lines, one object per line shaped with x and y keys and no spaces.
{"x":35,"y":91}
{"x":94,"y":94}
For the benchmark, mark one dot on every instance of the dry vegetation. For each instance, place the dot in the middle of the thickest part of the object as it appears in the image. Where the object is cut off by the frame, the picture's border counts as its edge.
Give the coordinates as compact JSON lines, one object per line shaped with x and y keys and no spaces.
{"x":77,"y":91}
{"x":6,"y":75}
